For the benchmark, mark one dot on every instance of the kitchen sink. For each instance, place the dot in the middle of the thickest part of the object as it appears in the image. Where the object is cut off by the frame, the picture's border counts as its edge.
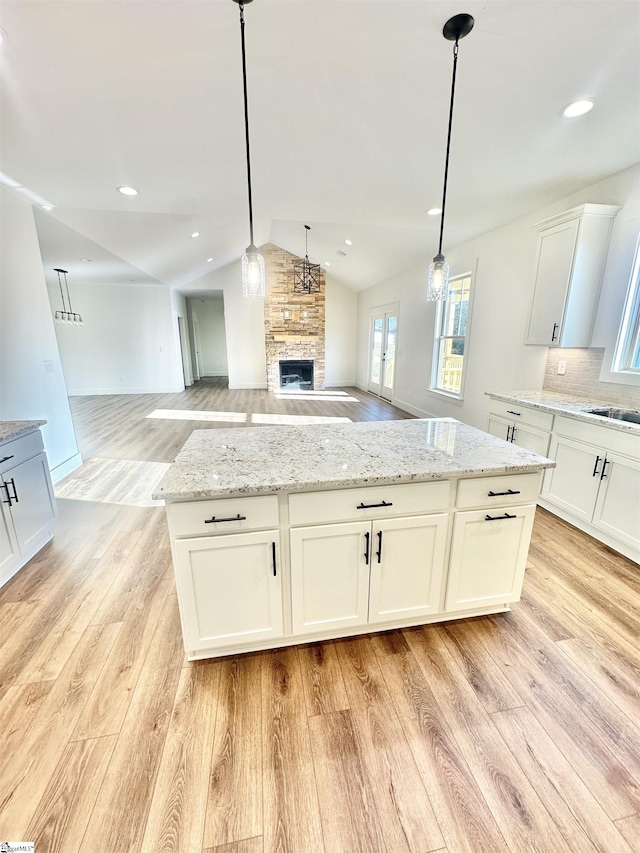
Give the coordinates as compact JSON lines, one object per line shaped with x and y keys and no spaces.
{"x":617,"y":414}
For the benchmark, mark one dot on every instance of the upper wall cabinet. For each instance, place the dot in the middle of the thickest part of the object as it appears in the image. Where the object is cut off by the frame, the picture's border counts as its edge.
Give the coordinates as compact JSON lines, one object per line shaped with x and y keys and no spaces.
{"x":572,"y":249}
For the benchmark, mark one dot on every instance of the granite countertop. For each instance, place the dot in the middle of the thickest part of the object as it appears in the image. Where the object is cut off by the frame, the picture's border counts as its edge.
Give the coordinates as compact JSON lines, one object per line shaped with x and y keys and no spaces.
{"x":264,"y":460}
{"x":570,"y":407}
{"x":14,"y":429}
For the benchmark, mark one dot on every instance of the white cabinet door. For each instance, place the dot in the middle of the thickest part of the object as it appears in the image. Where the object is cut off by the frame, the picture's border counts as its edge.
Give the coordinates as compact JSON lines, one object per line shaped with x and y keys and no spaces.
{"x":500,"y":427}
{"x":573,"y":484}
{"x":488,"y":557}
{"x":519,"y":433}
{"x":617,"y":509}
{"x":330,"y":576}
{"x":556,"y":250}
{"x":33,"y":506}
{"x":407,"y":567}
{"x":9,"y":551}
{"x":229,"y":589}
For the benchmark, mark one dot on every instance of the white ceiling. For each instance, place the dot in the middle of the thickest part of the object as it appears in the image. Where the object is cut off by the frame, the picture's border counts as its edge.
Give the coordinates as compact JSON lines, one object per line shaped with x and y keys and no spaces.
{"x":348,"y":104}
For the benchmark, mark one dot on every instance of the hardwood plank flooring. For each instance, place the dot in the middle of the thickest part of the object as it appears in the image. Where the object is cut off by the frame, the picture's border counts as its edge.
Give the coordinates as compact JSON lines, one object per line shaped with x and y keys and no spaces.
{"x":516,"y":732}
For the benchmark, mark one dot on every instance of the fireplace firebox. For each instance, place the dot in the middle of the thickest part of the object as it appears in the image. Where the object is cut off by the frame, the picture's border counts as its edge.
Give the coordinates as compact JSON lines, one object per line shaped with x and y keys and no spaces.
{"x":296,"y":375}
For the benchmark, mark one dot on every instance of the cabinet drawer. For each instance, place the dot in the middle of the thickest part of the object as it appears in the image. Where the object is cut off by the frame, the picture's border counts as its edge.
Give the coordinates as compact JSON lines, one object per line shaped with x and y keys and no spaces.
{"x":14,"y":452}
{"x":368,"y":502}
{"x":521,"y":414}
{"x":210,"y":518}
{"x":495,"y":491}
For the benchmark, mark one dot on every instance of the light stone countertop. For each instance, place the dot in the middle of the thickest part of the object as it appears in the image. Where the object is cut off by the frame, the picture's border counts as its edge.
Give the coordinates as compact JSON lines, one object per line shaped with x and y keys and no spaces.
{"x":14,"y":429}
{"x":265,"y":460}
{"x":570,"y":407}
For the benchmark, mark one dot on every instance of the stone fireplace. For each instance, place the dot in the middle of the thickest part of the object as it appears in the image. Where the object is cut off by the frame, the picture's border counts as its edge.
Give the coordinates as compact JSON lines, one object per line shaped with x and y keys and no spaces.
{"x":294,"y":326}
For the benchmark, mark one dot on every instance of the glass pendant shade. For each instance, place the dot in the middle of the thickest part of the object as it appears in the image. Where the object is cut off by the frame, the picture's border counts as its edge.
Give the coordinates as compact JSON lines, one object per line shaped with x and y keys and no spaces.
{"x":253,"y":274}
{"x":438,"y":279}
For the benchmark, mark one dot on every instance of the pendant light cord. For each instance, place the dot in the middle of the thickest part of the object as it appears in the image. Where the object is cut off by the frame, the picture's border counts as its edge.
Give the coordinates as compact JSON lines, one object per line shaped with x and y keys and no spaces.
{"x":246,"y":119}
{"x":446,"y":161}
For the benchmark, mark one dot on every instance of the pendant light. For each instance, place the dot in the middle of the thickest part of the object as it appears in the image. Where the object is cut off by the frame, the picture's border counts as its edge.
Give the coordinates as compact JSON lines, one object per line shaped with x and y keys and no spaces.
{"x":306,"y":276}
{"x":67,"y":317}
{"x":253,"y":274}
{"x":455,"y":29}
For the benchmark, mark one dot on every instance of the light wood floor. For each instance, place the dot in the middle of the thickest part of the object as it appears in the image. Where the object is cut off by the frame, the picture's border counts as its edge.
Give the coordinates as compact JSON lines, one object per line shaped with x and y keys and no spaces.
{"x":516,"y":732}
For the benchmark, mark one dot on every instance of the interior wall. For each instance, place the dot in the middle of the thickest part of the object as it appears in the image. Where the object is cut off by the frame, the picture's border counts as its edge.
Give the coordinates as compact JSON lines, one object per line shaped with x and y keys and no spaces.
{"x":129,"y":343}
{"x":498,"y":360}
{"x":32,"y":385}
{"x":341,"y":306}
{"x":210,"y":317}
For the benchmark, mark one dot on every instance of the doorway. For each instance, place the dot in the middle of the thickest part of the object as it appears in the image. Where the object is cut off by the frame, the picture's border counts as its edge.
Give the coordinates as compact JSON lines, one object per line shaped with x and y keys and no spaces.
{"x":383,"y":348}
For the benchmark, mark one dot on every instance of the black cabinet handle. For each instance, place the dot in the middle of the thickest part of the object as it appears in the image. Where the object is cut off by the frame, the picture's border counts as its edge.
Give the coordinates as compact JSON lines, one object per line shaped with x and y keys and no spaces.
{"x":498,"y":517}
{"x":604,"y":469}
{"x":10,"y":500}
{"x":509,"y":428}
{"x":554,"y":334}
{"x":372,"y":506}
{"x":214,"y":520}
{"x":379,"y":551}
{"x":5,"y":486}
{"x":499,"y":494}
{"x":367,"y":536}
{"x":6,"y":459}
{"x":15,"y":493}
{"x":509,"y":412}
{"x":273,"y":554}
{"x":595,"y":467}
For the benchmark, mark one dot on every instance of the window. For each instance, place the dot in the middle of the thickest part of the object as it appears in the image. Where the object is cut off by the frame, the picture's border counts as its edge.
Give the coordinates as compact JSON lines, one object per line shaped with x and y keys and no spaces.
{"x":452,"y":322}
{"x":628,"y":349}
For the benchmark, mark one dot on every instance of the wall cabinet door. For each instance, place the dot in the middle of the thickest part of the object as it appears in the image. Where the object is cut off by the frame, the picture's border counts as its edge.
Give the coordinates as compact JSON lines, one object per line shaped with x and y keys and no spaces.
{"x":617,"y":509}
{"x":229,"y":589}
{"x":330,"y":576}
{"x":488,"y":557}
{"x":573,"y":484}
{"x":33,"y":507}
{"x":407,"y":567}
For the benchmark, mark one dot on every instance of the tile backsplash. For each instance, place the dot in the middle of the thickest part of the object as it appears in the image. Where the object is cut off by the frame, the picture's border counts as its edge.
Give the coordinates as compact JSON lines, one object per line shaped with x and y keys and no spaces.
{"x":582,"y":378}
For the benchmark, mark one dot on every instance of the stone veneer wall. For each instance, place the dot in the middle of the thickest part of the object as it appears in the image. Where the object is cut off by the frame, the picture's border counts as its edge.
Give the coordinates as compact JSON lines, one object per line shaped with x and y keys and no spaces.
{"x":582,"y":378}
{"x":303,"y":334}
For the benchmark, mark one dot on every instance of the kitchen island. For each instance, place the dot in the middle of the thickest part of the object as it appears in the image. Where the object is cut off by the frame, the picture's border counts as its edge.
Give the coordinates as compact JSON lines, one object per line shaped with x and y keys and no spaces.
{"x":282,"y":535}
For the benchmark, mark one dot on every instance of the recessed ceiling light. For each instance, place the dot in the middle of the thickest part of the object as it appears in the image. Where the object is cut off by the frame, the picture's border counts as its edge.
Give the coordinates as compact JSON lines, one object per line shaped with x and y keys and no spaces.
{"x":348,"y":242}
{"x":577,"y":108}
{"x":127,"y":190}
{"x":87,"y":260}
{"x":209,"y":260}
{"x":327,"y":264}
{"x":196,"y":234}
{"x":434,"y":211}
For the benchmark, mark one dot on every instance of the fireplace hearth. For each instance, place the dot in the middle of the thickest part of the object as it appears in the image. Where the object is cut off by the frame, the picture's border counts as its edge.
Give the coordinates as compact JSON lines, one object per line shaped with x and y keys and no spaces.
{"x":296,"y":375}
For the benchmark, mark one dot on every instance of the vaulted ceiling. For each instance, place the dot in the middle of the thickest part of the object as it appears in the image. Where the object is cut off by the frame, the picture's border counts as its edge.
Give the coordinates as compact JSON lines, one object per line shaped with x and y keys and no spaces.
{"x":348,"y":103}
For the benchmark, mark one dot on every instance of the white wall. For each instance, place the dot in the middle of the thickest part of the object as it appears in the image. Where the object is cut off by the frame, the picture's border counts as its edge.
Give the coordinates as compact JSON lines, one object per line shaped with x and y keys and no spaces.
{"x":128,"y":345}
{"x":341,"y":314}
{"x":32,"y":385}
{"x":212,"y":339}
{"x":498,"y":360}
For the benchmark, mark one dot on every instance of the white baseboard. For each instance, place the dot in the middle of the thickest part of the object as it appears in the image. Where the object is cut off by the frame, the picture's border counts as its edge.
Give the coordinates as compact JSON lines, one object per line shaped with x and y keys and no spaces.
{"x":346,"y":383}
{"x":103,"y":392}
{"x":65,"y":468}
{"x":413,"y":410}
{"x":255,"y":386}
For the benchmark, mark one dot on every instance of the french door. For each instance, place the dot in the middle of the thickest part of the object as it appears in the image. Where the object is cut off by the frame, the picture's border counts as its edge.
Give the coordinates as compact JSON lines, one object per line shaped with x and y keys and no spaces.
{"x":383,"y":346}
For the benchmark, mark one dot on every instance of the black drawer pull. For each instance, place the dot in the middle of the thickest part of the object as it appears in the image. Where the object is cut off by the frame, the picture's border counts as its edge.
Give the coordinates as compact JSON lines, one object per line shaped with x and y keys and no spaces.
{"x":595,"y":467}
{"x":214,"y":520}
{"x":498,"y":517}
{"x":509,"y":412}
{"x":602,"y":476}
{"x":554,"y":333}
{"x":499,"y":494}
{"x":379,"y":551}
{"x":373,"y":506}
{"x":6,"y":459}
{"x":367,"y":536}
{"x":273,"y":554}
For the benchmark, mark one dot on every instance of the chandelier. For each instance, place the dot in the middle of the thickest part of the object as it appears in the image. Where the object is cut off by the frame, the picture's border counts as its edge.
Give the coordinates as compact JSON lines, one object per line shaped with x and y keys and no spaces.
{"x":67,"y":317}
{"x":306,"y":276}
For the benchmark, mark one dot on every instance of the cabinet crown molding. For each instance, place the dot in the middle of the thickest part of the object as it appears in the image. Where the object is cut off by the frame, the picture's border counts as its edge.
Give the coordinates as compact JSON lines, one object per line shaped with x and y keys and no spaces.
{"x":605,"y":210}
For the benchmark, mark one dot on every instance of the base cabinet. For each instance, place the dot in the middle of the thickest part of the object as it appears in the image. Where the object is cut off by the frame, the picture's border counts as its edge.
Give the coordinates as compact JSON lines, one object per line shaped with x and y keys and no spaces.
{"x":229,"y":589}
{"x":29,"y":510}
{"x":488,"y":557}
{"x":521,"y":425}
{"x":352,"y":574}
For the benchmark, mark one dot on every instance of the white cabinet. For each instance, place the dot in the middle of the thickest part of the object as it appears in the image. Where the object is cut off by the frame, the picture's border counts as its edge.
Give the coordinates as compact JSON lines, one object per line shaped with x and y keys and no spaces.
{"x":354,"y":573}
{"x":229,"y":581}
{"x":229,"y":589}
{"x":29,"y":510}
{"x":570,"y":258}
{"x":596,"y":482}
{"x":521,"y":425}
